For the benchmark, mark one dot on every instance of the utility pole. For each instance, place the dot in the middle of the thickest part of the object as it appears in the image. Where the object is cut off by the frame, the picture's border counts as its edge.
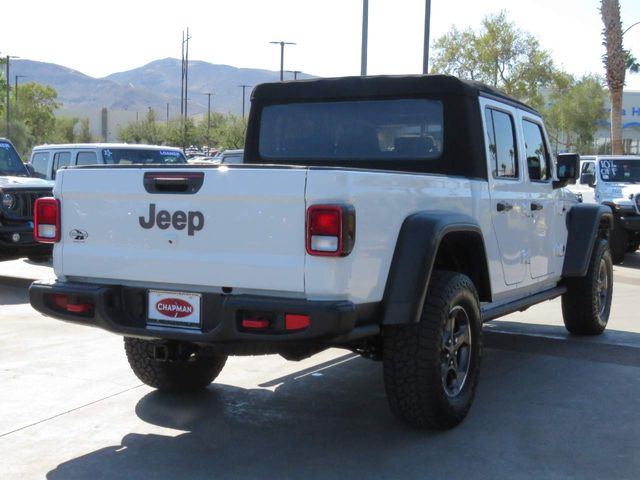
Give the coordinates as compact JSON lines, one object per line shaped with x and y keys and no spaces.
{"x":282,"y":44}
{"x":365,"y":34}
{"x":182,"y":79}
{"x":427,"y":22}
{"x":295,"y":73}
{"x":9,"y":57}
{"x":16,"y":83}
{"x":243,"y":87}
{"x":8,"y":106}
{"x":208,"y":94}
{"x":186,"y":76}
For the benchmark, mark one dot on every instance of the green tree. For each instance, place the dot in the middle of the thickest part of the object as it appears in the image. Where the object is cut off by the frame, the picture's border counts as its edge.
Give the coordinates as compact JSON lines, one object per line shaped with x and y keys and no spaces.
{"x":576,"y":106}
{"x":230,"y":133}
{"x":497,"y":54}
{"x":85,"y":136}
{"x":615,"y":67}
{"x":65,"y":130}
{"x":36,"y":106}
{"x":631,"y":62}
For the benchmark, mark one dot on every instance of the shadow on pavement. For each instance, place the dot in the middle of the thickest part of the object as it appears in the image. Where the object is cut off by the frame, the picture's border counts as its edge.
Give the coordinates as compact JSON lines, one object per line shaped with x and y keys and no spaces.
{"x":631,"y":260}
{"x":545,"y":408}
{"x":14,"y":291}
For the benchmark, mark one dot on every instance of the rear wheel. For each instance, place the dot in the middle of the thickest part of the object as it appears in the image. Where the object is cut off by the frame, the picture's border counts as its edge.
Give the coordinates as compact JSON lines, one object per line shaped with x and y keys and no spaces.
{"x":431,"y":368}
{"x":185,"y":369}
{"x":587,"y":304}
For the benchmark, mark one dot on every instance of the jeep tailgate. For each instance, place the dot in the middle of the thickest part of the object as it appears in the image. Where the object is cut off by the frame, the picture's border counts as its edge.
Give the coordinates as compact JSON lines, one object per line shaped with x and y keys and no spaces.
{"x":243,"y":228}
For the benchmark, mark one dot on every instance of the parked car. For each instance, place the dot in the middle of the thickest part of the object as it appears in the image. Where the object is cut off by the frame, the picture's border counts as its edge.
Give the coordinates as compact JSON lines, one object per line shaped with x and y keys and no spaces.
{"x":390,"y":216}
{"x":614,"y":180}
{"x":229,"y":157}
{"x":46,"y":160}
{"x":18,"y":193}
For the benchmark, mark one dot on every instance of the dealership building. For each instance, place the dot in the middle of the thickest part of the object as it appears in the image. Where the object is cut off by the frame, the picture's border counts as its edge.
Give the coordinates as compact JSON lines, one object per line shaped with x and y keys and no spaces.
{"x":630,"y":126}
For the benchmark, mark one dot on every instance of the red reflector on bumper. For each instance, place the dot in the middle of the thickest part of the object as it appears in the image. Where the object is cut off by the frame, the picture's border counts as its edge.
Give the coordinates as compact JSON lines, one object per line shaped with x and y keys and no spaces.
{"x":78,"y":307}
{"x":255,"y":323}
{"x":294,"y":321}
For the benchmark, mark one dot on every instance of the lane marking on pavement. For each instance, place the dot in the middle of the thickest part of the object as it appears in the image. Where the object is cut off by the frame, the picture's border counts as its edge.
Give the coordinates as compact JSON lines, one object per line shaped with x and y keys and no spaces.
{"x":69,"y":411}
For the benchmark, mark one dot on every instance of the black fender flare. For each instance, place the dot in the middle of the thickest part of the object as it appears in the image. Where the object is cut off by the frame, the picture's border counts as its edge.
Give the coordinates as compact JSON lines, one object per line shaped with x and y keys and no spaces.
{"x":413,"y":259}
{"x":583,"y":224}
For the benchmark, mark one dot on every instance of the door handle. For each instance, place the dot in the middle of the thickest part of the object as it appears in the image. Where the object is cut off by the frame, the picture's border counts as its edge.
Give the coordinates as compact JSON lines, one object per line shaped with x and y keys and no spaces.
{"x":504,"y":207}
{"x":536,"y":206}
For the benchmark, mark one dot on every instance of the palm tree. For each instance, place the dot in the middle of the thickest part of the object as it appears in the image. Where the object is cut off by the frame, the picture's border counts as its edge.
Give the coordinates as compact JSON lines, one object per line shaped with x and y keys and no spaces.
{"x":615,"y":64}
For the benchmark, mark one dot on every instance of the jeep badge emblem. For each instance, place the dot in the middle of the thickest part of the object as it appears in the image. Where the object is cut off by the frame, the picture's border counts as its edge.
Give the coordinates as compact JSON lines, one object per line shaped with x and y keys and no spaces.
{"x":78,"y":235}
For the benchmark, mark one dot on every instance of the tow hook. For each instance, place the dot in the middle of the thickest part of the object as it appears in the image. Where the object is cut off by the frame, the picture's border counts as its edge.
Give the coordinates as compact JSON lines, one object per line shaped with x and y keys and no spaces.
{"x":160,"y":353}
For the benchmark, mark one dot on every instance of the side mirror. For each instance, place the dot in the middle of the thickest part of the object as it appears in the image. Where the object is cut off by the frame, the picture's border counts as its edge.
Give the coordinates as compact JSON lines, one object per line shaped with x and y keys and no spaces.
{"x":589,"y":179}
{"x":567,"y":168}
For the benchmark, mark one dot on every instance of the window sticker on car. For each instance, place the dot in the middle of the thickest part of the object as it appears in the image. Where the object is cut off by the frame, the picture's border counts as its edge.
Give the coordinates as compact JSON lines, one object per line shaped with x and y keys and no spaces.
{"x":169,"y":153}
{"x":107,"y":153}
{"x":607,"y":169}
{"x":6,"y":146}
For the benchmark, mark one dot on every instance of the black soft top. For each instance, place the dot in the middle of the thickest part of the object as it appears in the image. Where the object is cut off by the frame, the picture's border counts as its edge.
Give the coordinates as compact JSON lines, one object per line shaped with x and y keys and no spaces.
{"x":384,"y":86}
{"x":463,"y":152}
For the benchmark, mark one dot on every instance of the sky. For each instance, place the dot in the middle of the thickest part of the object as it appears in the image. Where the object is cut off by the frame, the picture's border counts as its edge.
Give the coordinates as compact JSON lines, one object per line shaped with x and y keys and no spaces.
{"x":100,"y":38}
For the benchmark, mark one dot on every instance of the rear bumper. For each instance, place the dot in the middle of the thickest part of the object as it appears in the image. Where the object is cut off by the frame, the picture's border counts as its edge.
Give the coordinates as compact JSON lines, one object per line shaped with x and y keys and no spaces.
{"x":122,"y":310}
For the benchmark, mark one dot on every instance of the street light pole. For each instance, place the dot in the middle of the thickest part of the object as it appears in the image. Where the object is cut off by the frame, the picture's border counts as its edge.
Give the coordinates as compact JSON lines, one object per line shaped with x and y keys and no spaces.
{"x":637,"y":23}
{"x":427,"y":22}
{"x":365,"y":34}
{"x":282,"y":44}
{"x":16,"y":83}
{"x":244,"y":87}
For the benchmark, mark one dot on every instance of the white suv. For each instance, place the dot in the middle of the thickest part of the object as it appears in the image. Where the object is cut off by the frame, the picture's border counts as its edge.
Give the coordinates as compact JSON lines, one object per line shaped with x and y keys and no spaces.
{"x":614,"y":180}
{"x":46,"y":160}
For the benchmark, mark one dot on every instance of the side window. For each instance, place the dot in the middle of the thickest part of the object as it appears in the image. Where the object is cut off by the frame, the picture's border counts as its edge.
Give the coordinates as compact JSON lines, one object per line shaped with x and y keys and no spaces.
{"x":87,"y":158}
{"x":60,"y":159}
{"x":588,"y":168}
{"x":40,"y":162}
{"x":502,"y":144}
{"x":536,"y":151}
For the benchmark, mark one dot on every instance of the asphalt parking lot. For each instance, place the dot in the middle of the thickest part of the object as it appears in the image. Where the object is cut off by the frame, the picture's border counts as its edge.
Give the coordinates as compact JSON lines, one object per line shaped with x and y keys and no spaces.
{"x":548,"y":406}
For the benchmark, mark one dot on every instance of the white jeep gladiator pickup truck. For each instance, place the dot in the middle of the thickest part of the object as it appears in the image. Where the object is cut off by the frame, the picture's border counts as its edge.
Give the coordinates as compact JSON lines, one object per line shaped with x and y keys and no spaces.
{"x":386,"y":215}
{"x":614,"y":180}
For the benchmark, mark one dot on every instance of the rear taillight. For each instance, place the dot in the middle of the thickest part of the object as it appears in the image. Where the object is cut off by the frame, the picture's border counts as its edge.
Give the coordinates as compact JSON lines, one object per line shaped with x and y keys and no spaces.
{"x":331,"y":230}
{"x":46,"y":220}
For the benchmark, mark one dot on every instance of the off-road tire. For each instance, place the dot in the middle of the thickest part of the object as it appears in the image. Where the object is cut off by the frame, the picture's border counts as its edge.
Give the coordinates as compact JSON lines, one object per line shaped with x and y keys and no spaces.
{"x":618,"y":242}
{"x":194,"y":373}
{"x":414,"y":355}
{"x":587,"y":304}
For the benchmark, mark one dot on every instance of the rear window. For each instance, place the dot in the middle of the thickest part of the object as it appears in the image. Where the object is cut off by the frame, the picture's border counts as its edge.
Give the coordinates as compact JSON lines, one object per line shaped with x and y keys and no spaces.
{"x":352,"y":130}
{"x":129,"y":156}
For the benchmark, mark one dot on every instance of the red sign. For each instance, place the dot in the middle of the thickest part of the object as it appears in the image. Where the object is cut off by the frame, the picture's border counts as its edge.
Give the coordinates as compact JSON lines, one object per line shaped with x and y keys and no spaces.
{"x":174,"y":308}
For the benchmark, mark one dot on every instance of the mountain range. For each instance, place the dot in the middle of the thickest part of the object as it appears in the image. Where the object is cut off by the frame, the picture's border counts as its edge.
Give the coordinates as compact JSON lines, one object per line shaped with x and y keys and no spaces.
{"x":153,"y":85}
